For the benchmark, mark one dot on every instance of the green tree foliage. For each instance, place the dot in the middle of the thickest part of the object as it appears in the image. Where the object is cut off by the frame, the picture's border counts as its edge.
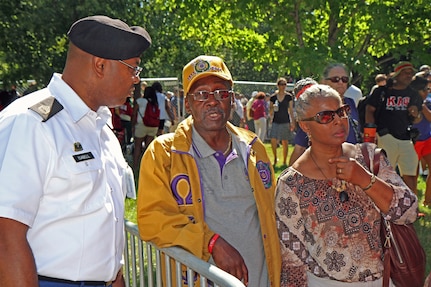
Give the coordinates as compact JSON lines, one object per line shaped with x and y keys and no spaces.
{"x":258,"y":39}
{"x":300,"y":37}
{"x":33,"y":35}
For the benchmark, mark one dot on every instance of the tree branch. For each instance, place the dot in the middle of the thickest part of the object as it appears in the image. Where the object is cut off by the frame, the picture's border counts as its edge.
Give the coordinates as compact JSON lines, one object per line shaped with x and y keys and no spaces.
{"x":298,"y":26}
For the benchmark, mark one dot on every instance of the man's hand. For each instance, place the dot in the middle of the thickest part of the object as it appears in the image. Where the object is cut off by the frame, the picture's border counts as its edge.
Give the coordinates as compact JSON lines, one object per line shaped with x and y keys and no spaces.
{"x":119,"y":280}
{"x":227,"y":258}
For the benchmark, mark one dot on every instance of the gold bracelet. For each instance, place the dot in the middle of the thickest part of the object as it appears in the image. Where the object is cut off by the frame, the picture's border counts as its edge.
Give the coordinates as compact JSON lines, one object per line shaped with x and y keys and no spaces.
{"x":372,"y":181}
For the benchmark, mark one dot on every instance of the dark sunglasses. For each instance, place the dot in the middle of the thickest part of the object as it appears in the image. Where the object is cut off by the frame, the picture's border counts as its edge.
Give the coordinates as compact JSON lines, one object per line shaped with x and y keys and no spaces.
{"x":219,"y":95}
{"x":325,"y":117}
{"x":344,"y":79}
{"x":282,"y":84}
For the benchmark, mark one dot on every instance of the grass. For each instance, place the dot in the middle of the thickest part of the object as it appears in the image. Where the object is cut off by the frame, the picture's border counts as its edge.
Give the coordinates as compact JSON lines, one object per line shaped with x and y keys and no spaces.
{"x":422,"y":225}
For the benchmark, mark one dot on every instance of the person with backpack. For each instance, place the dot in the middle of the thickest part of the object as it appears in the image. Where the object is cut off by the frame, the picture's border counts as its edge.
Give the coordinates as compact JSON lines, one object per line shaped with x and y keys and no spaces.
{"x":126,"y":113}
{"x":165,"y":108}
{"x":259,"y":115}
{"x":249,"y":113}
{"x":146,"y":119}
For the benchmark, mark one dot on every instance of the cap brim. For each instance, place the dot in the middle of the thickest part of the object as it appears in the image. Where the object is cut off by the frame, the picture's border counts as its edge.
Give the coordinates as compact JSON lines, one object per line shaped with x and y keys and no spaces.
{"x":206,"y":74}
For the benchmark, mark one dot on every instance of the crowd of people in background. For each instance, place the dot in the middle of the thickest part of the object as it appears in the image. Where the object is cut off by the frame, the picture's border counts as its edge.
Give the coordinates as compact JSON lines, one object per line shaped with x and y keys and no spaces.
{"x":410,"y":116}
{"x":205,"y":180}
{"x":270,"y":114}
{"x":7,"y":97}
{"x":319,"y":159}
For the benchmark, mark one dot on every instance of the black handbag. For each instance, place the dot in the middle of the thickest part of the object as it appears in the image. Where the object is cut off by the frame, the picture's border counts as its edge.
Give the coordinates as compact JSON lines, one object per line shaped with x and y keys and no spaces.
{"x":404,"y":257}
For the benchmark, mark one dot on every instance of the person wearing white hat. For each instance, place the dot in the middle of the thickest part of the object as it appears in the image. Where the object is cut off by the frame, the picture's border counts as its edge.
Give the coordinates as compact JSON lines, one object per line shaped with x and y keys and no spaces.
{"x":425,"y":68}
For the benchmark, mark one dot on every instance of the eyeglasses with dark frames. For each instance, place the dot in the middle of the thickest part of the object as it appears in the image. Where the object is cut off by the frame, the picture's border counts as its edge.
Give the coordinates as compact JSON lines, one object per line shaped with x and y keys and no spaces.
{"x":344,"y":79}
{"x":219,"y":95}
{"x":137,"y":69}
{"x":325,"y":117}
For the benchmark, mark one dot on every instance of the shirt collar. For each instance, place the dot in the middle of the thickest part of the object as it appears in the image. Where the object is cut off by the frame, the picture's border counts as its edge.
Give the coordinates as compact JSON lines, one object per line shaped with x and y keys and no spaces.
{"x":72,"y":102}
{"x":199,"y":145}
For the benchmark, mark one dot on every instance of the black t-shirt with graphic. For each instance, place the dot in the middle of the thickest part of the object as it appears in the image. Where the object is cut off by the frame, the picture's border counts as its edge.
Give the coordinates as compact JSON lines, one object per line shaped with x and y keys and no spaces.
{"x":392,"y":114}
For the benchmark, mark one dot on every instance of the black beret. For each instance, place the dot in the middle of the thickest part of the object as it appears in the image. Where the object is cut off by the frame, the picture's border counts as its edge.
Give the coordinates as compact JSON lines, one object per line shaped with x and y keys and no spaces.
{"x":109,"y":38}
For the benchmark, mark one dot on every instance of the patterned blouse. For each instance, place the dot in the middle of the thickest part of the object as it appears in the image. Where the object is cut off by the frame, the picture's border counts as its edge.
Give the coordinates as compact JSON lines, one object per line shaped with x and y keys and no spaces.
{"x":339,"y":241}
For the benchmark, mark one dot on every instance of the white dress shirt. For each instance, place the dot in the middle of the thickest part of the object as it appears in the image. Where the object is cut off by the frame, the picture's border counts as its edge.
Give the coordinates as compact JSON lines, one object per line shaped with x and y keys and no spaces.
{"x":65,"y":179}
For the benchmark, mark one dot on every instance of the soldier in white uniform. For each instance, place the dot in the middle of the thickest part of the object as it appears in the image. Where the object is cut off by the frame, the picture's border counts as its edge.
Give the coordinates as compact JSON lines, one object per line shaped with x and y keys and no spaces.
{"x":63,"y":176}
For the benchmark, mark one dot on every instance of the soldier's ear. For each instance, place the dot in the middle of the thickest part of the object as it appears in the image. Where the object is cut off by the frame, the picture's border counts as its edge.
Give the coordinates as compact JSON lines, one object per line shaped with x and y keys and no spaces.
{"x":99,"y":66}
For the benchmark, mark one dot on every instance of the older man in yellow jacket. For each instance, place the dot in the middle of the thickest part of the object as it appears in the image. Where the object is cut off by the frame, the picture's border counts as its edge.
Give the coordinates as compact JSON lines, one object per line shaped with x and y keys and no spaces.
{"x":209,"y":187}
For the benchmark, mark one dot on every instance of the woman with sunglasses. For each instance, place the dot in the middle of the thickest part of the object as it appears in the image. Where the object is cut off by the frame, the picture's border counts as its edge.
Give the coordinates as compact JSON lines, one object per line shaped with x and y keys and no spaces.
{"x":329,"y":204}
{"x":336,"y":75}
{"x":282,"y":124}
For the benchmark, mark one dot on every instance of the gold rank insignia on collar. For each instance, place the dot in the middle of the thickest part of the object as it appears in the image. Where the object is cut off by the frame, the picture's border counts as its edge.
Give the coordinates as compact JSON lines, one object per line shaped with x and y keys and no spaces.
{"x":77,"y":146}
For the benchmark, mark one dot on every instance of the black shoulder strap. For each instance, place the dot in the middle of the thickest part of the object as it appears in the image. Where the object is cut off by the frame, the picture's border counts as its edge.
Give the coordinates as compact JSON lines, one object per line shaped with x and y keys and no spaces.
{"x":47,"y":108}
{"x":383,"y":93}
{"x":380,"y":104}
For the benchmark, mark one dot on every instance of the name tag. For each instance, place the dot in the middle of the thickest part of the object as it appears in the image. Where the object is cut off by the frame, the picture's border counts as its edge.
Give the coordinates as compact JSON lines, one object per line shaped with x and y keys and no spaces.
{"x":83,"y":156}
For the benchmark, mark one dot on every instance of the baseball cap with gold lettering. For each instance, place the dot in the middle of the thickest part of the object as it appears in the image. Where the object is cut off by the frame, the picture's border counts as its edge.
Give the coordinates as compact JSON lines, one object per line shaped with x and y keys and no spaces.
{"x":204,"y":66}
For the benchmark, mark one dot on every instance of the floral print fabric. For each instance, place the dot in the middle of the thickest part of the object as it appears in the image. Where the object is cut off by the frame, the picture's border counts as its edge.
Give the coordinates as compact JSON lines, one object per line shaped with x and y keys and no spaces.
{"x":340,"y":241}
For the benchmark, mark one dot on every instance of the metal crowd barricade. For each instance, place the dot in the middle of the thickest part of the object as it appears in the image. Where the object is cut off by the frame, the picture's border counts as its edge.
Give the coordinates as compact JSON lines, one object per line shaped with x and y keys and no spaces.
{"x":143,"y":265}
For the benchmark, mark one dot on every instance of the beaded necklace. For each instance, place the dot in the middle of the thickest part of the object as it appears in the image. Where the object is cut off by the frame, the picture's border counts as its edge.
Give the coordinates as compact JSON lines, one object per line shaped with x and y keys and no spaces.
{"x":341,"y":189}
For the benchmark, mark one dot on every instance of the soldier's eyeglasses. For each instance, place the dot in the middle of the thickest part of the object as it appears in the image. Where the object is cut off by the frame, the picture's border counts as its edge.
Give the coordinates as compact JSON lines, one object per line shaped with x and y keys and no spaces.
{"x":137,"y":69}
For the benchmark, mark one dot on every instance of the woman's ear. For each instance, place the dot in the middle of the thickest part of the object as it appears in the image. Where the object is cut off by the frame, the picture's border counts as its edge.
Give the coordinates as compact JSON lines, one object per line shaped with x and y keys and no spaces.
{"x":304,"y":127}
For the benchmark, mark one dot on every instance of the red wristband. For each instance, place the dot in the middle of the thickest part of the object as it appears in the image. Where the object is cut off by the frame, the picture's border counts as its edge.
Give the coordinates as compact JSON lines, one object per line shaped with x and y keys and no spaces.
{"x":212,"y":242}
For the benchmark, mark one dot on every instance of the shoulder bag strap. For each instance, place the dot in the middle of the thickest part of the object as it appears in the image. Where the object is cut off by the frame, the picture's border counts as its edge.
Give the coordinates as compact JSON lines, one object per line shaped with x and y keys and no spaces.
{"x":374,"y":168}
{"x":376,"y":158}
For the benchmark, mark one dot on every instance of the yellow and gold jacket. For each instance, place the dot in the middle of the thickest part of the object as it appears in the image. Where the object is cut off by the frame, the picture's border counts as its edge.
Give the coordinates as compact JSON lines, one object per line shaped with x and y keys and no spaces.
{"x":170,"y":200}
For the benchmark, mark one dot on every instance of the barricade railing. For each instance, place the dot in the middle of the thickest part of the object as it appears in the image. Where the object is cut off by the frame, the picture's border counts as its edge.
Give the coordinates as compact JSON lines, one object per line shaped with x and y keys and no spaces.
{"x":143,"y":265}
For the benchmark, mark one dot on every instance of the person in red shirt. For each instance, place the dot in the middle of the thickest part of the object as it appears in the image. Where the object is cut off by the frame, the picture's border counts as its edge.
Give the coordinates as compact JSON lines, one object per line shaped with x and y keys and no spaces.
{"x":259,"y":115}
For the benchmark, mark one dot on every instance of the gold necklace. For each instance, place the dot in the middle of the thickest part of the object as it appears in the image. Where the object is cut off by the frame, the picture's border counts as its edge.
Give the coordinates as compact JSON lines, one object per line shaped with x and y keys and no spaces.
{"x":228,"y":146}
{"x":342,"y":194}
